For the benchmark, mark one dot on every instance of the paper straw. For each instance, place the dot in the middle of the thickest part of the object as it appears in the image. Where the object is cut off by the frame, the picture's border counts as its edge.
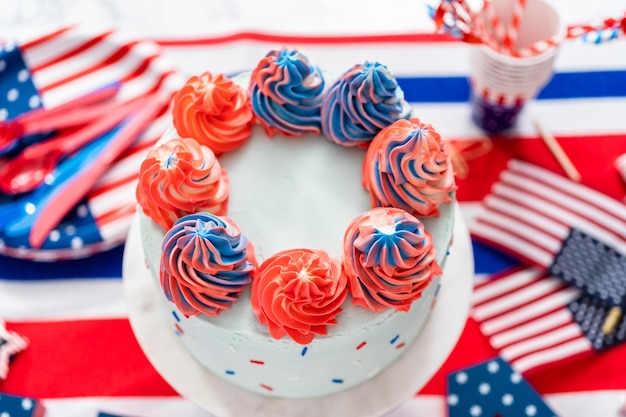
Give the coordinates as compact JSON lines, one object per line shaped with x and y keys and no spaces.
{"x":600,"y":36}
{"x":484,"y":35}
{"x":558,"y":153}
{"x":519,"y":7}
{"x":498,"y":31}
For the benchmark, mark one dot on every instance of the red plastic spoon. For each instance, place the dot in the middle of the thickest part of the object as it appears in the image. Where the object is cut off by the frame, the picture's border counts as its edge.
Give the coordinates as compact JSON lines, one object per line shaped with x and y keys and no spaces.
{"x":70,"y":114}
{"x":29,"y":169}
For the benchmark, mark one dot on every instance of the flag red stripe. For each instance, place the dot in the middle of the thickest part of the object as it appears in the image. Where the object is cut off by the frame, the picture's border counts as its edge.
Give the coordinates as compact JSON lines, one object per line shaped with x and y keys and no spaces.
{"x":45,"y":38}
{"x":526,"y":214}
{"x":521,"y":313}
{"x":555,"y":354}
{"x":73,"y":52}
{"x":110,"y":60}
{"x":519,"y":297}
{"x":518,"y":199}
{"x":487,"y":282}
{"x":495,"y":288}
{"x":544,"y":332}
{"x":540,"y":343}
{"x":118,"y":213}
{"x":532,"y":256}
{"x":529,"y":234}
{"x":159,"y":84}
{"x":113,"y":185}
{"x":142,"y":68}
{"x":538,"y":326}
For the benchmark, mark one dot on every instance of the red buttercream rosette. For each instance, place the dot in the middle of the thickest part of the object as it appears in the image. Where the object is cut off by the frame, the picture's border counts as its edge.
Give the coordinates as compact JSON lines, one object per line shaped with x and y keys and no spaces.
{"x":215,"y":111}
{"x":181,"y":177}
{"x":298,"y":292}
{"x":408,"y":166}
{"x":389,"y":258}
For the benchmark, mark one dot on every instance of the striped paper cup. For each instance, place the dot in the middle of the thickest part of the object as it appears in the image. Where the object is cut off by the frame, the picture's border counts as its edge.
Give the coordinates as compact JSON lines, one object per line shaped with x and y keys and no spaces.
{"x":501,"y":81}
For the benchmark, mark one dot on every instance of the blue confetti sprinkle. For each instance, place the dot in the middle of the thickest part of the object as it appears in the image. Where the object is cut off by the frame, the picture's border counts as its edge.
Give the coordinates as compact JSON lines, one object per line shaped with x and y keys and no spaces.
{"x":338,"y":381}
{"x":176,"y":316}
{"x":437,"y":290}
{"x":395,"y":339}
{"x":229,"y":372}
{"x":304,"y":350}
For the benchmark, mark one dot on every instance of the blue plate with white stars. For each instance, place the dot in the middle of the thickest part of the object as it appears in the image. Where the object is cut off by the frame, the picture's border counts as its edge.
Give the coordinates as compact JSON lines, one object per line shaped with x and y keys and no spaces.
{"x":55,"y":68}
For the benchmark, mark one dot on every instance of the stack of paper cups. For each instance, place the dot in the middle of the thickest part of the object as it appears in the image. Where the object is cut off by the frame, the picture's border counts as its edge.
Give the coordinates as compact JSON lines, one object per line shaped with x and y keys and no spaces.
{"x":501,"y":82}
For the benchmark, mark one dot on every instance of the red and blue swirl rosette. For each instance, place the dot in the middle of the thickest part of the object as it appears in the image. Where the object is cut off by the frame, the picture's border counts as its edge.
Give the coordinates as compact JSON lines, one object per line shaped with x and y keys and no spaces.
{"x":360,"y":103}
{"x":286,"y":93}
{"x":408,"y":166}
{"x":205,"y":265}
{"x":389,"y":258}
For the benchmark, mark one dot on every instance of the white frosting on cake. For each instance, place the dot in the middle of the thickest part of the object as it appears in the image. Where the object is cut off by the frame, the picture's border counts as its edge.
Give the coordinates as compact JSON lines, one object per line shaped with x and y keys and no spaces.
{"x":297,"y":193}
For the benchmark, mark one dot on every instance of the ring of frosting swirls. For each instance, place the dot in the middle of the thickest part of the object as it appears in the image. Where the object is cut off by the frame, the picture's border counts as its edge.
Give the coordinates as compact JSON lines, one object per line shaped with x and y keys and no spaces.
{"x":298,"y":292}
{"x":181,"y":177}
{"x":408,"y":166}
{"x":361,"y":103}
{"x":389,"y":258}
{"x":205,"y":264}
{"x":215,"y":111}
{"x":286,"y":93}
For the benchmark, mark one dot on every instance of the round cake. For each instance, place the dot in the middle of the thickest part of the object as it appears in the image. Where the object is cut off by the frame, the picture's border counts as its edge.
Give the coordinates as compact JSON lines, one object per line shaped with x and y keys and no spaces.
{"x":297,"y":223}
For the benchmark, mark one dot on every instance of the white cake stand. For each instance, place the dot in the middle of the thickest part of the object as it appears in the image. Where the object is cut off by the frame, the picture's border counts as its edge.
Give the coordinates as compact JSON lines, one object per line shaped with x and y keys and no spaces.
{"x":386,"y":391}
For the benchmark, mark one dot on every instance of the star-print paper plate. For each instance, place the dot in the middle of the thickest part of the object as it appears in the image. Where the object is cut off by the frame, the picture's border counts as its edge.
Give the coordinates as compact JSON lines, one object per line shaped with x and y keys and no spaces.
{"x":57,"y":67}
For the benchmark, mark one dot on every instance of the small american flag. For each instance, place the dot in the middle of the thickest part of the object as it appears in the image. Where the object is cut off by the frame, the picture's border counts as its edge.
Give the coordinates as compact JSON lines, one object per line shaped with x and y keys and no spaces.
{"x":531,"y":211}
{"x":58,"y":67}
{"x":534,"y":319}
